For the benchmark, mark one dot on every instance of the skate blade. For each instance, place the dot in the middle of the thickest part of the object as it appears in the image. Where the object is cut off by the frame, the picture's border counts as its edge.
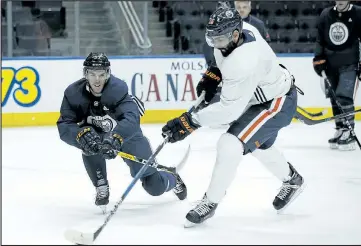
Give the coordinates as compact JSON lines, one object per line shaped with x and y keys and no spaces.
{"x":333,"y":146}
{"x":103,"y":208}
{"x":78,"y":237}
{"x":347,"y":147}
{"x":299,"y":191}
{"x":188,"y":224}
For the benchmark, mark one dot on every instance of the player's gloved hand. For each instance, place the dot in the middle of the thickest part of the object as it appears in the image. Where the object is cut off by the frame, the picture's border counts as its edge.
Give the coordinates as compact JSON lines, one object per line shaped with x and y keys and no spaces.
{"x":89,"y":140}
{"x":359,"y":71}
{"x":319,"y":65}
{"x":209,"y":83}
{"x":111,"y":145}
{"x":179,"y":128}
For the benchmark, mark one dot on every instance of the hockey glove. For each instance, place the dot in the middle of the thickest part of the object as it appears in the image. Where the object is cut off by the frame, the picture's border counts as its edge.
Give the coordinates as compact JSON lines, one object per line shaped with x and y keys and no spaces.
{"x":319,"y":65}
{"x":209,"y":83}
{"x":89,"y":141}
{"x":179,"y":128}
{"x":359,"y":71}
{"x":111,"y":145}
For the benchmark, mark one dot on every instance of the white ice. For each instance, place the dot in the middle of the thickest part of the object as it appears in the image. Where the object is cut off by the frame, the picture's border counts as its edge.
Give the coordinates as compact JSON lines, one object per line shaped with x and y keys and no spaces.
{"x":45,"y":190}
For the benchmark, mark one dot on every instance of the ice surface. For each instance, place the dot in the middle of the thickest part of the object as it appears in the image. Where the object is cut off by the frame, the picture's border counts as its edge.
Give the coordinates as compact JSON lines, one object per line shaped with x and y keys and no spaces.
{"x":45,"y":190}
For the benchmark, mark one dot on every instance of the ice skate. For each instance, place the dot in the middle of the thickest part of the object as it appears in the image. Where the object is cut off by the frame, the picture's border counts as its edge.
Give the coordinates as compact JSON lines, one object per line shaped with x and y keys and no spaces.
{"x":204,"y":210}
{"x":180,"y":190}
{"x":289,"y":191}
{"x":346,"y":142}
{"x":333,"y":141}
{"x":102,"y":197}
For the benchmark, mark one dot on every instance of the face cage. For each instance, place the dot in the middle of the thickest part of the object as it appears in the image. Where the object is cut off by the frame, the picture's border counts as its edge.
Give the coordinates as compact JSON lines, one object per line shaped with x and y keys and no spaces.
{"x":219,"y":42}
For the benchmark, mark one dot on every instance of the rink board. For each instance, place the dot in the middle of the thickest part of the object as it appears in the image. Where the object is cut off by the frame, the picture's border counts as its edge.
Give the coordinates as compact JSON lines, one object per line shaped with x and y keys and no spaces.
{"x":151,"y":116}
{"x":32,"y":88}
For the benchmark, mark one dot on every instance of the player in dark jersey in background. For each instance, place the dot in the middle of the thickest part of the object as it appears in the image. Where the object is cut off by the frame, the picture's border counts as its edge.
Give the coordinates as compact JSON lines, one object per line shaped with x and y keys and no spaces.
{"x":338,"y":54}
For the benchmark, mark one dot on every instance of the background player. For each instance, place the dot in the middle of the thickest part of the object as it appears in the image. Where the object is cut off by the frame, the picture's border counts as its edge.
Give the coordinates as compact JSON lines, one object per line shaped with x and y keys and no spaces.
{"x":99,"y":117}
{"x":258,"y":99}
{"x":338,"y":54}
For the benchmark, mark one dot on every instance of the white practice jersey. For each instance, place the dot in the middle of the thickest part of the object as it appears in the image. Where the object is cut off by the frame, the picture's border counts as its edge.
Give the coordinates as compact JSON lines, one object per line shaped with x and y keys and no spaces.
{"x":250,"y":74}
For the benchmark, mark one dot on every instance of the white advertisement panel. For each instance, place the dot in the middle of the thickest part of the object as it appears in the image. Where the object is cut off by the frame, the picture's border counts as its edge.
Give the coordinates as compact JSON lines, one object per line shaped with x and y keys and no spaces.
{"x":37,"y":85}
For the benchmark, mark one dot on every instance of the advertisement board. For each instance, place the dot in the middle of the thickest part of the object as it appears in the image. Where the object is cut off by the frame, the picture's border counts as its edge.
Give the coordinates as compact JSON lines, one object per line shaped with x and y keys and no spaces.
{"x":32,"y":89}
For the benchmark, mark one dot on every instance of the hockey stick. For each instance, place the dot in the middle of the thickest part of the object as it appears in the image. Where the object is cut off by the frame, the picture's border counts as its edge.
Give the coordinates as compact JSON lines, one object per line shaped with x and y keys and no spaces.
{"x":311,"y":114}
{"x":333,"y":94}
{"x":309,"y":121}
{"x":156,"y":165}
{"x":89,"y":238}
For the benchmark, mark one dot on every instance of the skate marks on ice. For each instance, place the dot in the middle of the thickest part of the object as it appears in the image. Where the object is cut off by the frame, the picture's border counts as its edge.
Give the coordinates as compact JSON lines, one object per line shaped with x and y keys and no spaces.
{"x":260,"y":224}
{"x":140,"y":216}
{"x":83,"y":237}
{"x":264,"y":228}
{"x":142,"y":212}
{"x":327,"y":212}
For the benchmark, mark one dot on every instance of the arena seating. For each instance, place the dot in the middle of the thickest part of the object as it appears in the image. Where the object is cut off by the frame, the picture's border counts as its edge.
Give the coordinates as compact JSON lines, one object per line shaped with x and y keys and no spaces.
{"x":34,"y":24}
{"x":291,"y":25}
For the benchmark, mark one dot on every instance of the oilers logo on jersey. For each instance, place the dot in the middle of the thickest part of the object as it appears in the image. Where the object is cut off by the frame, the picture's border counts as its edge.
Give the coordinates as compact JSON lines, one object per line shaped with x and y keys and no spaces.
{"x":338,"y":33}
{"x":103,"y":123}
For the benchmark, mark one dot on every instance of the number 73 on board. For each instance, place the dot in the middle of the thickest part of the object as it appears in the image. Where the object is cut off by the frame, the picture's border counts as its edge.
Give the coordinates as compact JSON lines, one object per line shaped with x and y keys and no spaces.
{"x":22,"y":84}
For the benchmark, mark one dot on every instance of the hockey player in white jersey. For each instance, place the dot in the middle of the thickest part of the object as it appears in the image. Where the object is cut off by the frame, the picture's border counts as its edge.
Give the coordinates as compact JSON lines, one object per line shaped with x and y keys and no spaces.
{"x":258,"y":98}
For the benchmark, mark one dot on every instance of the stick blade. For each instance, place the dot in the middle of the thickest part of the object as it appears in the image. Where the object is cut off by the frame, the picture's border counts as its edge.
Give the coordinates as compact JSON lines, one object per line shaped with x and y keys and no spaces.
{"x":78,"y":237}
{"x":325,"y":111}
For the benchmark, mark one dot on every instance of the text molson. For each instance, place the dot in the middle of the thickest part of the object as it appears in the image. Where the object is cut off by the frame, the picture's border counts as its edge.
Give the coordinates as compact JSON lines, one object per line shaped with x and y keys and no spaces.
{"x":195,"y":66}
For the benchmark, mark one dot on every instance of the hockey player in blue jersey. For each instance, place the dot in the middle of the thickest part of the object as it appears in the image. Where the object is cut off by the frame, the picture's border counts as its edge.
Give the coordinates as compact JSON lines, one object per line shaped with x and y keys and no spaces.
{"x":100,"y":118}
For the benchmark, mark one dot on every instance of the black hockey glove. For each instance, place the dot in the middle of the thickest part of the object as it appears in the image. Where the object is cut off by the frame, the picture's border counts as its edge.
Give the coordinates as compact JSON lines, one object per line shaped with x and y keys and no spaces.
{"x":319,"y":65}
{"x":359,"y":71}
{"x":179,"y":128}
{"x":209,"y":83}
{"x":111,"y":145}
{"x":89,"y":140}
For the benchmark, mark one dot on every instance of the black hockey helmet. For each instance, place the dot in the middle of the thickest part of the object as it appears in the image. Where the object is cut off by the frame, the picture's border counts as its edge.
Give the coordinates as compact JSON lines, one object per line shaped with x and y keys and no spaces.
{"x":221,"y":25}
{"x":96,"y":61}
